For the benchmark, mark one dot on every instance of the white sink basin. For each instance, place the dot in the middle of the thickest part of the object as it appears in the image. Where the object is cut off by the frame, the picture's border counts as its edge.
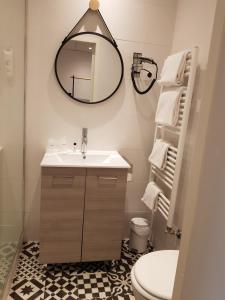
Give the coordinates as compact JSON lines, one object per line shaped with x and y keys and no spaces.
{"x":94,"y":159}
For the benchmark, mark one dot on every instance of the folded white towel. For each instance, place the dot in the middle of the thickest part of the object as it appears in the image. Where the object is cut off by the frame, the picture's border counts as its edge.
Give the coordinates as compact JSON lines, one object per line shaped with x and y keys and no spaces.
{"x":151,"y":195}
{"x":173,"y":69}
{"x":159,"y":154}
{"x":167,"y":112}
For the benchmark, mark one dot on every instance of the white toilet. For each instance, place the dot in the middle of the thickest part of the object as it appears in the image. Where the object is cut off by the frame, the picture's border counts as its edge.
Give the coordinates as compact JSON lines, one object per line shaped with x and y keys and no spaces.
{"x":153,"y":275}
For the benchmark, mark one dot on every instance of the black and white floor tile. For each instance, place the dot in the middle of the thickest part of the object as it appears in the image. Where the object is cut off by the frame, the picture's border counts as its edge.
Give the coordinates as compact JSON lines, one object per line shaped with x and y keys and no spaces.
{"x":30,"y":289}
{"x":94,"y":281}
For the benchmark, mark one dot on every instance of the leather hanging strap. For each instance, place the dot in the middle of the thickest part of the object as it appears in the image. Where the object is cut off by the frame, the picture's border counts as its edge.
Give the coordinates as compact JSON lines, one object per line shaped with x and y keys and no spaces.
{"x":94,"y":5}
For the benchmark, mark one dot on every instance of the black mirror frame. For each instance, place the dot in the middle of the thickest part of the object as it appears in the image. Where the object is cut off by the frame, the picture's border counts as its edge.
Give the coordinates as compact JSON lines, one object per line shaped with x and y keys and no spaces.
{"x":115,"y":47}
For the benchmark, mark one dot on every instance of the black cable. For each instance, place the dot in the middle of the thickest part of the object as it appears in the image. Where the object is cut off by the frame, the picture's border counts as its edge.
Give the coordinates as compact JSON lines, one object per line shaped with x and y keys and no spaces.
{"x":151,"y":61}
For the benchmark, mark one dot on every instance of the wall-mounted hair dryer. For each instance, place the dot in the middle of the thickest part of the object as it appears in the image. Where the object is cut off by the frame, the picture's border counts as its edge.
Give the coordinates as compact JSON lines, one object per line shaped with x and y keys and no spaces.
{"x":137,"y":68}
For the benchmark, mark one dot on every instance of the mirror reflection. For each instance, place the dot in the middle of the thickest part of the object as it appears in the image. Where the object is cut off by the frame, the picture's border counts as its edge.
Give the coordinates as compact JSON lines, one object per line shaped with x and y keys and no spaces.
{"x":89,"y":67}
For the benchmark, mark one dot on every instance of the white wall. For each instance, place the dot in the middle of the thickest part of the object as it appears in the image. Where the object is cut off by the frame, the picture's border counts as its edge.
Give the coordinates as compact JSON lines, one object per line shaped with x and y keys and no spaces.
{"x":125,"y":122}
{"x":201,"y":268}
{"x":208,"y":239}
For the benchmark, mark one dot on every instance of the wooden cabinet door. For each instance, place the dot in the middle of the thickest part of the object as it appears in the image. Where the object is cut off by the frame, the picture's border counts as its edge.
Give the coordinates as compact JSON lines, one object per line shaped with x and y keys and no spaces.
{"x":104,"y":214}
{"x":62,"y":205}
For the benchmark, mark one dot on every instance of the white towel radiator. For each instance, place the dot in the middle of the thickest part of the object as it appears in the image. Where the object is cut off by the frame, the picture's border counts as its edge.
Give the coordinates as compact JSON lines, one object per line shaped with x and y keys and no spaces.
{"x":168,"y":179}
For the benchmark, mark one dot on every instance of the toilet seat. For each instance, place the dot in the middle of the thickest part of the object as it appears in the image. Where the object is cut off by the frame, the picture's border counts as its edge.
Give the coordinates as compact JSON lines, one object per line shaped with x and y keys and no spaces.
{"x":154,"y":274}
{"x":140,"y":290}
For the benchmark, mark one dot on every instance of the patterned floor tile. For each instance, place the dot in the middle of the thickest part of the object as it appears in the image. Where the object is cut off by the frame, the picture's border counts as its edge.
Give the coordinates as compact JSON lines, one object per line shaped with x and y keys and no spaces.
{"x":124,"y":297}
{"x":93,"y":280}
{"x":28,"y":289}
{"x":120,"y":283}
{"x":28,"y":263}
{"x":61,"y":288}
{"x":29,"y":268}
{"x":119,"y":273}
{"x":76,"y":268}
{"x":93,"y":286}
{"x":29,"y":279}
{"x":31,"y":249}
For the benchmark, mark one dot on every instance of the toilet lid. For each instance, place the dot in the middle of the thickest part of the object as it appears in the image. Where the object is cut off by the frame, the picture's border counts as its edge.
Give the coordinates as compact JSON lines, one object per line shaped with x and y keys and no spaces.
{"x":155,"y":272}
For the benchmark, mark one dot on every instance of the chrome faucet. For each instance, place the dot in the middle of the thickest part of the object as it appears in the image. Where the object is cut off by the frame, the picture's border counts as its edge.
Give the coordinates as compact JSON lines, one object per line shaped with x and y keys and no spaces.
{"x":84,"y":142}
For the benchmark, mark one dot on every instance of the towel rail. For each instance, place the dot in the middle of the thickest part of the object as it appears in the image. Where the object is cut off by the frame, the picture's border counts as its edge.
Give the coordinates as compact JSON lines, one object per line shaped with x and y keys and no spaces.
{"x":161,"y":207}
{"x":170,"y":159}
{"x":171,"y":170}
{"x":174,"y":155}
{"x":188,"y":65}
{"x":174,"y":149}
{"x":162,"y":212}
{"x":164,"y":205}
{"x":164,"y":198}
{"x":169,"y":167}
{"x":165,"y":173}
{"x":170,"y":129}
{"x":172,"y":165}
{"x":181,"y":142}
{"x":189,"y":55}
{"x":162,"y":178}
{"x":170,"y":175}
{"x":188,"y":62}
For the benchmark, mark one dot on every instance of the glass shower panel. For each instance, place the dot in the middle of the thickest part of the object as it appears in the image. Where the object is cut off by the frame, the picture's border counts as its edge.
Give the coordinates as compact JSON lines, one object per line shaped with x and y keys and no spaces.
{"x":12,"y":36}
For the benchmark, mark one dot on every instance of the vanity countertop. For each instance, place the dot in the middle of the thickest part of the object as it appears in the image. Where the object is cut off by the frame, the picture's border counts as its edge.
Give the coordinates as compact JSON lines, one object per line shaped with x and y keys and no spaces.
{"x":94,"y":159}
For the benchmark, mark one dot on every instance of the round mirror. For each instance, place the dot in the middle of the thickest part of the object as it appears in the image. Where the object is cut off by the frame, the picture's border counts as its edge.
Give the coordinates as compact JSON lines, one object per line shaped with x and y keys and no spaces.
{"x":89,"y":67}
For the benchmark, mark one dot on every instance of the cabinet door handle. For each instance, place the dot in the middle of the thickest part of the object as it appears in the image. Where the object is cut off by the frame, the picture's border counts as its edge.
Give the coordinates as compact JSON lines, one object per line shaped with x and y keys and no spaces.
{"x":107,"y":178}
{"x":62,"y":181}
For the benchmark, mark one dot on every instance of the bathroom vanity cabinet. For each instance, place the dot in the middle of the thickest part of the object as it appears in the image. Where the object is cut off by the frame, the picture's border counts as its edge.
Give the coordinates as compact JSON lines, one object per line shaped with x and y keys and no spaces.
{"x":82,"y":214}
